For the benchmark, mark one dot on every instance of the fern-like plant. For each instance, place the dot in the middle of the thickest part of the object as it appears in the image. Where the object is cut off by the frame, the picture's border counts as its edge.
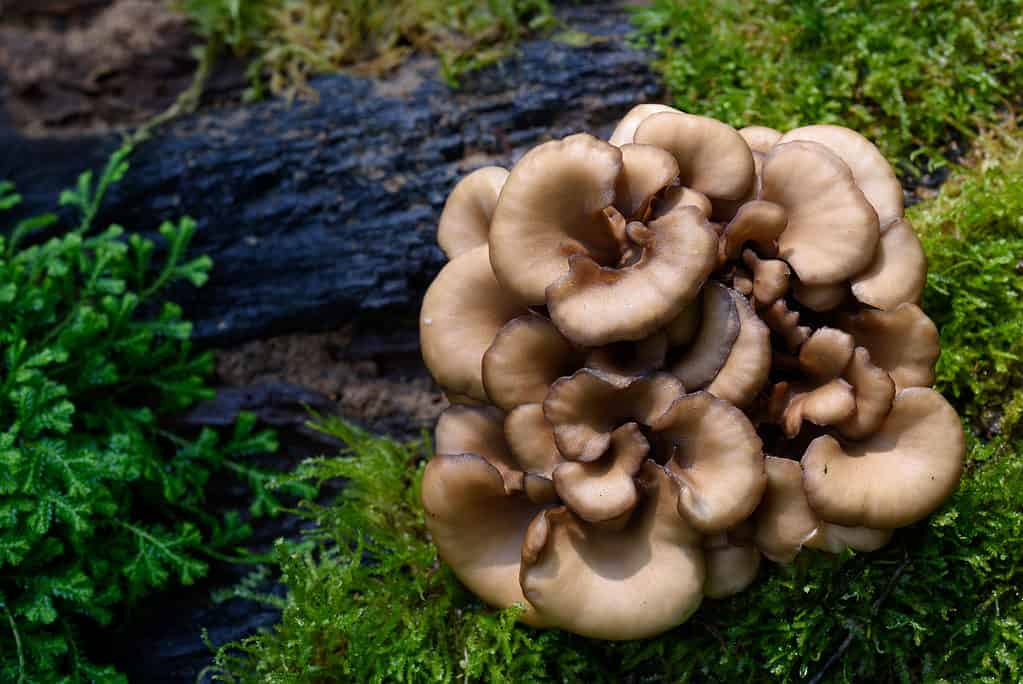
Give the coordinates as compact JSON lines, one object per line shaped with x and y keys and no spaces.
{"x":100,"y":502}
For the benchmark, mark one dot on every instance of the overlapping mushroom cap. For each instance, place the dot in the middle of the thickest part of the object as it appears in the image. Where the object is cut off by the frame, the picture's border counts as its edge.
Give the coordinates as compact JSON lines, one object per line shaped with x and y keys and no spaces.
{"x":627,"y":328}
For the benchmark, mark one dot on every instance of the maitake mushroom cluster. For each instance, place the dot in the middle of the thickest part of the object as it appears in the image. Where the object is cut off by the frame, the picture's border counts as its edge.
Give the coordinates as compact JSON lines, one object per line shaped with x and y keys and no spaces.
{"x":625,"y":327}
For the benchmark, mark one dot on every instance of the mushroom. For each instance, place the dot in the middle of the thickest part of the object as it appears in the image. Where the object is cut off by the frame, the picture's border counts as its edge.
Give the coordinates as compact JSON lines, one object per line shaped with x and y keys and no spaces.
{"x":586,"y":407}
{"x":683,"y":328}
{"x":749,"y":362}
{"x":896,"y":476}
{"x":760,"y":138}
{"x":465,"y":222}
{"x":785,"y":322}
{"x":759,"y":222}
{"x":826,"y":353}
{"x":551,"y":207}
{"x":770,"y":277}
{"x":718,"y":330}
{"x":594,"y":306}
{"x":898,"y":272}
{"x":903,"y":341}
{"x":832,"y":229}
{"x":603,"y":492}
{"x":873,"y":173}
{"x":646,"y":170}
{"x":630,"y":583}
{"x":625,"y":131}
{"x":730,"y":567}
{"x":820,"y":297}
{"x":829,"y":404}
{"x":462,"y":311}
{"x":874,"y":391}
{"x":530,"y":438}
{"x":630,"y":359}
{"x":478,"y":430}
{"x":527,"y":355}
{"x":680,"y":196}
{"x":716,"y":456}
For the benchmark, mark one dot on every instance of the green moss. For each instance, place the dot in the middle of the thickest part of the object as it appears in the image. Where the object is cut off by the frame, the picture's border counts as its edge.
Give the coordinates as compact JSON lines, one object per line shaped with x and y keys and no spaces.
{"x":903,"y":73}
{"x":369,"y":601}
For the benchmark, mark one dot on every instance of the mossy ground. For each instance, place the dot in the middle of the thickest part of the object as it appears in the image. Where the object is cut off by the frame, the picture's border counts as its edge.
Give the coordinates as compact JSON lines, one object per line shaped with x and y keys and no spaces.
{"x":368,"y":600}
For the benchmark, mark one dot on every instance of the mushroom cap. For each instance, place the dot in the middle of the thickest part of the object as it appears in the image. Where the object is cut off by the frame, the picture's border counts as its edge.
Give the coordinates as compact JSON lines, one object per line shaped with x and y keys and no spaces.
{"x":898,"y":272}
{"x":874,"y":391}
{"x":730,"y":567}
{"x":748,"y":364}
{"x":716,"y":457}
{"x":826,"y":353}
{"x":784,"y":519}
{"x":604,"y":490}
{"x":478,"y":430}
{"x":829,"y":404}
{"x":838,"y":538}
{"x":603,"y":583}
{"x":530,"y":438}
{"x":586,"y":407}
{"x":903,"y":341}
{"x":820,"y":297}
{"x":873,"y":174}
{"x":760,"y":138}
{"x":712,"y":157}
{"x":785,"y":322}
{"x":683,"y":328}
{"x":462,"y":311}
{"x":465,"y":221}
{"x":719,"y":328}
{"x":757,"y":221}
{"x":551,"y":207}
{"x":832,"y":229}
{"x":479,"y":527}
{"x":646,"y":170}
{"x":770,"y":277}
{"x":625,"y":131}
{"x":594,"y":306}
{"x":527,"y":355}
{"x":898,"y":475}
{"x":630,"y":359}
{"x":681,"y":196}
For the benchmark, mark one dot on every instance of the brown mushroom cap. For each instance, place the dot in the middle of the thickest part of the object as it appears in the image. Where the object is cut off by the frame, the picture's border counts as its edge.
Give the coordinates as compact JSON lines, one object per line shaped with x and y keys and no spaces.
{"x":832,"y":229}
{"x":759,"y":222}
{"x":616,"y":584}
{"x":531,"y":439}
{"x":630,"y":359}
{"x":903,"y":341}
{"x":760,"y":138}
{"x":719,"y":328}
{"x":770,"y":277}
{"x":748,"y":364}
{"x":479,"y":527}
{"x":680,"y":196}
{"x":625,"y":131}
{"x":462,"y":311}
{"x":838,"y":538}
{"x":465,"y":221}
{"x":646,"y":170}
{"x":716,"y":457}
{"x":895,"y":477}
{"x":712,"y":157}
{"x":730,"y":567}
{"x":478,"y":430}
{"x":585,"y":408}
{"x":594,"y":306}
{"x":683,"y":328}
{"x":551,"y":207}
{"x":874,"y":391}
{"x":873,"y":174}
{"x":784,"y":519}
{"x":604,"y":491}
{"x":785,"y":322}
{"x":898,"y":272}
{"x":527,"y":355}
{"x":820,"y":297}
{"x":829,"y":404}
{"x":826,"y":353}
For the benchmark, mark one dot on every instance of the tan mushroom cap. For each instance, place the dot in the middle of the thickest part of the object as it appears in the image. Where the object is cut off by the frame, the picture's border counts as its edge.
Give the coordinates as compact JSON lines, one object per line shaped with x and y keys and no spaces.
{"x":830,"y":404}
{"x":760,"y":138}
{"x":895,"y":477}
{"x":478,"y":527}
{"x":683,"y":328}
{"x":898,"y":272}
{"x":551,"y":207}
{"x":873,"y":174}
{"x":462,"y":311}
{"x":770,"y":277}
{"x":625,"y":131}
{"x":874,"y":391}
{"x":785,"y":322}
{"x":527,"y":355}
{"x":586,"y":407}
{"x":530,"y":438}
{"x":757,"y":221}
{"x":716,"y":457}
{"x":465,"y":221}
{"x":631,"y":583}
{"x":712,"y":157}
{"x":820,"y":297}
{"x":903,"y":341}
{"x":747,"y":366}
{"x":630,"y":359}
{"x":826,"y":353}
{"x":478,"y":430}
{"x":784,"y":519}
{"x":604,"y":491}
{"x":742,"y":280}
{"x":730,"y":567}
{"x":646,"y":170}
{"x":719,"y":328}
{"x":832,"y":229}
{"x":680,"y":196}
{"x":593,"y":306}
{"x":838,"y":538}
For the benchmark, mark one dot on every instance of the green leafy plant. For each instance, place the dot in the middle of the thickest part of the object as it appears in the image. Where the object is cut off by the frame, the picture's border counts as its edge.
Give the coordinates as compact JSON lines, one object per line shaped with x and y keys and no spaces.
{"x":905,"y":74}
{"x":100,"y":501}
{"x":369,"y":601}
